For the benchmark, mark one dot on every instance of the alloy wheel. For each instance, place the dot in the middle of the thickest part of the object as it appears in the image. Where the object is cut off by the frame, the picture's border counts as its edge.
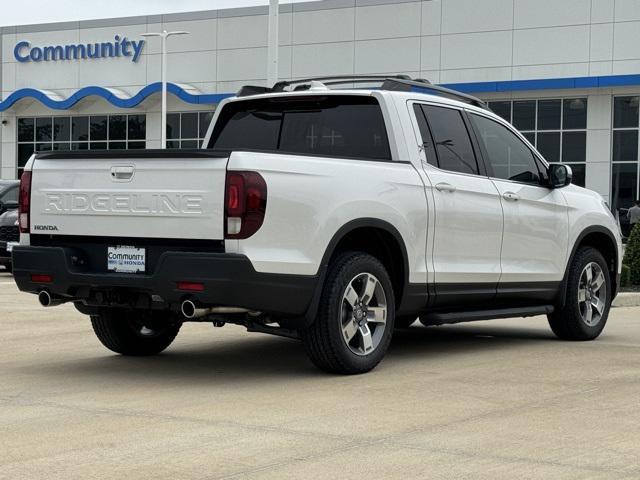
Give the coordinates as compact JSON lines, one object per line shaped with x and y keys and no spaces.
{"x":592,"y":294}
{"x":363,"y":314}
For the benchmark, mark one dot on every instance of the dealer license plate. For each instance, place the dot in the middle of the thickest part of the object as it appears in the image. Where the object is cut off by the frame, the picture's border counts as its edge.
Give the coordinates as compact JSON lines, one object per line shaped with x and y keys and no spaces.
{"x":126,"y":259}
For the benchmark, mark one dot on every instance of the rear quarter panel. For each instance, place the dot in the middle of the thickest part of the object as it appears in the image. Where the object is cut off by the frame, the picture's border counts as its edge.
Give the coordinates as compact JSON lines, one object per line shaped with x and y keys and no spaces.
{"x":310,"y":198}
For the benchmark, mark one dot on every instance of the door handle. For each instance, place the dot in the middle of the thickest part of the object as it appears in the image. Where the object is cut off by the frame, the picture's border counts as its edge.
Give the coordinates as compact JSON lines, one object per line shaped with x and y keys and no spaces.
{"x":514,"y":197}
{"x":122,"y":172}
{"x":445,"y":187}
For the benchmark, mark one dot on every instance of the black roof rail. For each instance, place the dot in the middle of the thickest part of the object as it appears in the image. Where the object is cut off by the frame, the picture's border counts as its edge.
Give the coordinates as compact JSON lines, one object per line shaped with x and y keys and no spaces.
{"x":399,"y":83}
{"x":403,"y":85}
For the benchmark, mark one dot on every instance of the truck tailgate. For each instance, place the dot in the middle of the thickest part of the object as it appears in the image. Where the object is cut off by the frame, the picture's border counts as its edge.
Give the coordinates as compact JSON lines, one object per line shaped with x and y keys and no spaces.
{"x":148,"y":194}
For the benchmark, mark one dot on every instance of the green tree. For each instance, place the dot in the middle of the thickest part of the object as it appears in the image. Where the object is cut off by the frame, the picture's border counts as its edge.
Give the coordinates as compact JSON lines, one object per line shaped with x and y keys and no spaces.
{"x":632,"y":254}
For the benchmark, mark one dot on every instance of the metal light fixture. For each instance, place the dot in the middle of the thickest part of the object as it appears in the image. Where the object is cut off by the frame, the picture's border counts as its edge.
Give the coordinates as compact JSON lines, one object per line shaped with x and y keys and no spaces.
{"x":163,"y":76}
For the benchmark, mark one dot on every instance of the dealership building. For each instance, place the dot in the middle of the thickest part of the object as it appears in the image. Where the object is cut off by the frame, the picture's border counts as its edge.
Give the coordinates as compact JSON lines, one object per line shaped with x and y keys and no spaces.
{"x":565,"y":73}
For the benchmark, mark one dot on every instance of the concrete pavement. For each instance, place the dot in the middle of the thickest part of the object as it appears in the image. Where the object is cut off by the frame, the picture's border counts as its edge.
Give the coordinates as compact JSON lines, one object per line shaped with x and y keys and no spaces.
{"x":489,"y":400}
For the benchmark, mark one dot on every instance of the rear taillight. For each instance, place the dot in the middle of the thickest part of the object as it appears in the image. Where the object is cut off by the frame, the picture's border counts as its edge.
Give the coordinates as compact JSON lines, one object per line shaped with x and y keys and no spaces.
{"x":245,"y":204}
{"x":24,"y":205}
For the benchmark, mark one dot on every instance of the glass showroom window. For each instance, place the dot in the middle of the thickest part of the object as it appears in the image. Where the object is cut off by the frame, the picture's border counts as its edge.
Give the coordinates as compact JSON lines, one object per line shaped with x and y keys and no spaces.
{"x":95,"y":132}
{"x":624,"y":170}
{"x":187,"y":129}
{"x":557,"y":128}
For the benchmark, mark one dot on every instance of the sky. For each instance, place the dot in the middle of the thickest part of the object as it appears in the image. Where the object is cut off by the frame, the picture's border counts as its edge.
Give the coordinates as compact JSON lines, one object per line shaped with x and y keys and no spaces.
{"x":46,"y":11}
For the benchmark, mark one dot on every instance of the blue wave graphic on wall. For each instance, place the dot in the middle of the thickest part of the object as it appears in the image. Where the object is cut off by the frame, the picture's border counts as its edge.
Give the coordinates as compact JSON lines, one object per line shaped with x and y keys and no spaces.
{"x":177,"y":90}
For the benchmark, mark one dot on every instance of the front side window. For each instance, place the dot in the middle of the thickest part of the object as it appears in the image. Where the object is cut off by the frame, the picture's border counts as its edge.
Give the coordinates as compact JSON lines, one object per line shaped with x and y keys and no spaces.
{"x":451,"y":138}
{"x":508,"y":156}
{"x":332,"y":126}
{"x":557,"y":127}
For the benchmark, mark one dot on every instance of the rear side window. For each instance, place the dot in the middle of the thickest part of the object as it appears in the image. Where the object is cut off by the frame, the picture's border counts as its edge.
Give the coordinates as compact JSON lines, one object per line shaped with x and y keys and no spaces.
{"x":332,"y":126}
{"x":509,"y":157}
{"x":451,"y":138}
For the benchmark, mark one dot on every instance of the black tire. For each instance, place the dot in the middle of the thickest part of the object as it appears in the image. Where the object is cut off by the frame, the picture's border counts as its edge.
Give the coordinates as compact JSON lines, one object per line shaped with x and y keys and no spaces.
{"x":404,"y":321}
{"x":9,"y":267}
{"x":135,"y":332}
{"x":568,"y":322}
{"x":324,"y":341}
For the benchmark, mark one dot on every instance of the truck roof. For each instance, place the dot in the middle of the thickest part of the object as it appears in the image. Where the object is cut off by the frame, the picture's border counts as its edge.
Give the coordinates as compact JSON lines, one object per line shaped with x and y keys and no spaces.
{"x":397,"y":83}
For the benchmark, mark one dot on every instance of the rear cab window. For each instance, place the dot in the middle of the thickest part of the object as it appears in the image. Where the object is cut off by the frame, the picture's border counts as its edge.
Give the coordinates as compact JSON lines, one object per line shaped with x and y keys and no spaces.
{"x":343,"y":126}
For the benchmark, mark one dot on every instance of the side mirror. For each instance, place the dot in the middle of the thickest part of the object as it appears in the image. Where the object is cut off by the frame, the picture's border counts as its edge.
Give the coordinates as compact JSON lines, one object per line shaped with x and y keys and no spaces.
{"x":10,"y":205}
{"x":560,"y":175}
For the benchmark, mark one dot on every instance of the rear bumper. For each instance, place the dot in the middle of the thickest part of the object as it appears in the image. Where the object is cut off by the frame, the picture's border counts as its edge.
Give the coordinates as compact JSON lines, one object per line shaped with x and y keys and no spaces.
{"x":5,"y":257}
{"x":228,"y":279}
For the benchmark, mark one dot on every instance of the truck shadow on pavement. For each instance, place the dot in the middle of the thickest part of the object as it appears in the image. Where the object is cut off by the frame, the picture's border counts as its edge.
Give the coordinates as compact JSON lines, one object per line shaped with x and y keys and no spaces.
{"x":242,"y":360}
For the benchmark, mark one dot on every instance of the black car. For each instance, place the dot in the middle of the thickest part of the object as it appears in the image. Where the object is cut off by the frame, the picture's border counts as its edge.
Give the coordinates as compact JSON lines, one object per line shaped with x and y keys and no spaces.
{"x":8,"y":220}
{"x":8,"y":195}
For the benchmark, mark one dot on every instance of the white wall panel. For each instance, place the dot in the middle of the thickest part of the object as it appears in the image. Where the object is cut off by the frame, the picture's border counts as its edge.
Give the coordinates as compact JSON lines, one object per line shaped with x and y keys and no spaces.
{"x":482,"y":50}
{"x":320,"y":26}
{"x":601,"y":42}
{"x":239,"y":64}
{"x":322,"y":59}
{"x":9,"y":76}
{"x":387,"y":21}
{"x":549,"y":13}
{"x":430,"y":53}
{"x":242,"y":32}
{"x":626,"y":10}
{"x":556,"y":70}
{"x":602,"y":11}
{"x":598,"y":178}
{"x":464,"y":75}
{"x":459,"y":16}
{"x":431,"y":17}
{"x":626,"y":40}
{"x":191,"y":67}
{"x":598,"y":145}
{"x":551,"y":45}
{"x":391,"y":55}
{"x":599,"y":112}
{"x":600,"y":68}
{"x":8,"y":43}
{"x":202,"y":35}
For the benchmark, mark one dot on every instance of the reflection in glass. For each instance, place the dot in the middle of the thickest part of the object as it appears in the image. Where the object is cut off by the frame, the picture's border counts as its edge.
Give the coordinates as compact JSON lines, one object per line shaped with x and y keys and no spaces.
{"x":549,"y":146}
{"x":574,"y":114}
{"x":574,"y":146}
{"x":625,"y":112}
{"x":549,"y":114}
{"x":524,"y":114}
{"x":62,"y":129}
{"x":43,"y":129}
{"x":625,"y":145}
{"x":624,"y":183}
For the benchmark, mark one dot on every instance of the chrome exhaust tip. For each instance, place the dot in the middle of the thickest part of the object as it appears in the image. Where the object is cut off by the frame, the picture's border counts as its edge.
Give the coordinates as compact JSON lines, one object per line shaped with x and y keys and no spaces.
{"x":46,"y":300}
{"x":188,"y":309}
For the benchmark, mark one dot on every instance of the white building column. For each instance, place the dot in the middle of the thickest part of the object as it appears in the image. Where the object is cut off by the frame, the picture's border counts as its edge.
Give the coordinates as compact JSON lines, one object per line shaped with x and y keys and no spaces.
{"x":598,"y":170}
{"x":8,"y":150}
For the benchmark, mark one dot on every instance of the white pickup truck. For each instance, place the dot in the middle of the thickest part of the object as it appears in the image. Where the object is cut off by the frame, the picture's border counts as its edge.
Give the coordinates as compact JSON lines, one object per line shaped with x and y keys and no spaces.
{"x":329,"y":215}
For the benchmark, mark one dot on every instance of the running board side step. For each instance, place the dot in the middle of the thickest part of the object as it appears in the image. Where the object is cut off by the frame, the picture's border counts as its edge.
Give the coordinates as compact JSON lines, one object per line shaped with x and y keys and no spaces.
{"x":441,"y":318}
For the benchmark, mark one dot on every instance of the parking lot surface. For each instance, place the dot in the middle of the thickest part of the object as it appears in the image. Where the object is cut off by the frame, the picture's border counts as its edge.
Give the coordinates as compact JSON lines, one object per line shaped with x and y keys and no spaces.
{"x":495,"y":400}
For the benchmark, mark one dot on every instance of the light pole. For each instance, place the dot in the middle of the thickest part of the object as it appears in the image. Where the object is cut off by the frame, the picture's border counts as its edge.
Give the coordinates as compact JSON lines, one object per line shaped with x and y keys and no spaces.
{"x":163,"y":76}
{"x":272,"y":43}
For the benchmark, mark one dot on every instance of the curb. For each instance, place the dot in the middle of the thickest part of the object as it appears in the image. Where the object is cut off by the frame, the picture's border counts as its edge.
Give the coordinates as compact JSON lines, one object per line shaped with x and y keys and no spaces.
{"x":627,"y":299}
